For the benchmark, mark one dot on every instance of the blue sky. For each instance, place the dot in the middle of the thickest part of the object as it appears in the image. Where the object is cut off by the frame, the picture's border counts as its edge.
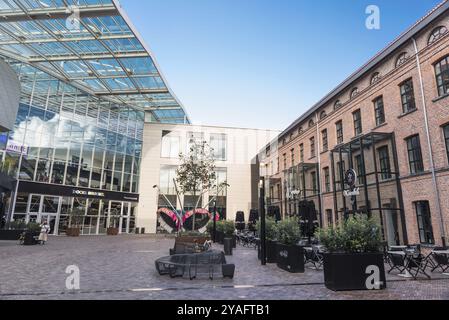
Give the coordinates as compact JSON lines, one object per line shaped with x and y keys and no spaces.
{"x":262,"y":63}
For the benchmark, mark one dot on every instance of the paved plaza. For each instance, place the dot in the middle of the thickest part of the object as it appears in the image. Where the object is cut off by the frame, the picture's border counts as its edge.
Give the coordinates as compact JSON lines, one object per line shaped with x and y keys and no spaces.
{"x":122,"y":267}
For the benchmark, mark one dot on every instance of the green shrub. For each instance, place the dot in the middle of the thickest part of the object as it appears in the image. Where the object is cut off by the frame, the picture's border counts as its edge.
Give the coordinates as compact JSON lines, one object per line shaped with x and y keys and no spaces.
{"x":356,"y":235}
{"x":34,"y":227}
{"x":271,"y":230}
{"x":220,"y":226}
{"x":18,"y":225}
{"x":288,"y":231}
{"x":210,"y":227}
{"x":229,"y":228}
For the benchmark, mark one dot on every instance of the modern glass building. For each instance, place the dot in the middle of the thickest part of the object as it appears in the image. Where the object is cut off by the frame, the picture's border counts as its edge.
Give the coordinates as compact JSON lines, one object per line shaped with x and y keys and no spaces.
{"x":88,"y":83}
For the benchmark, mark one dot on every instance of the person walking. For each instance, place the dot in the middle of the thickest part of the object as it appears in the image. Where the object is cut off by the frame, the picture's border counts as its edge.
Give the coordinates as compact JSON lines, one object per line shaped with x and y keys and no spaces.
{"x":45,"y":230}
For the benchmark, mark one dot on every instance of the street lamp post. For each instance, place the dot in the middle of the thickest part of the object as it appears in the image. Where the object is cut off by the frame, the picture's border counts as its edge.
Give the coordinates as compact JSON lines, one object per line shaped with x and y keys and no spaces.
{"x":263,"y":251}
{"x":215,"y":221}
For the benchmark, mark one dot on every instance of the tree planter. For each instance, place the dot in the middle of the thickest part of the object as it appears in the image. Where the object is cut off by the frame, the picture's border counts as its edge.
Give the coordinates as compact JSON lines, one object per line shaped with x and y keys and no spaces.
{"x":220,"y":237}
{"x":73,"y":232}
{"x":347,"y":272}
{"x":192,"y":239}
{"x":290,"y":258}
{"x":112,"y":231}
{"x":228,"y":246}
{"x":31,"y":238}
{"x":10,"y":235}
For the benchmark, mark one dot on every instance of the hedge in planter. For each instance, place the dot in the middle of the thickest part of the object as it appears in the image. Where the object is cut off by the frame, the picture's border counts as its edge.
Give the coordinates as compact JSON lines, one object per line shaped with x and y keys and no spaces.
{"x":219,"y":227}
{"x":229,"y":233}
{"x":354,"y":258}
{"x":290,"y":256}
{"x":271,"y":234}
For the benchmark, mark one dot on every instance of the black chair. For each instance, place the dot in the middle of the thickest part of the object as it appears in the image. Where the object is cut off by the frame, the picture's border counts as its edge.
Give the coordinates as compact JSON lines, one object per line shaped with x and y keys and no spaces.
{"x":441,"y":260}
{"x":417,"y":264}
{"x":314,"y":256}
{"x":397,"y":262}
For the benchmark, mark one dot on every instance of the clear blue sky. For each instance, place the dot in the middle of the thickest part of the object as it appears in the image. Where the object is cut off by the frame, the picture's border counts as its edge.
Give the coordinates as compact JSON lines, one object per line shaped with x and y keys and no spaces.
{"x":262,"y":63}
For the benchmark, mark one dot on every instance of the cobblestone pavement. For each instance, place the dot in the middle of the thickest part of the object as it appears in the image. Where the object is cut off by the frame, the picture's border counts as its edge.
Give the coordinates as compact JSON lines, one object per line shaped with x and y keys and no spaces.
{"x":122,"y":267}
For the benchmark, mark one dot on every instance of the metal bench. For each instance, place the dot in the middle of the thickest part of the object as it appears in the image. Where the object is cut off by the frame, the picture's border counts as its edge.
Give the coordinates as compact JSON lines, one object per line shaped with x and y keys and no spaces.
{"x":209,"y":263}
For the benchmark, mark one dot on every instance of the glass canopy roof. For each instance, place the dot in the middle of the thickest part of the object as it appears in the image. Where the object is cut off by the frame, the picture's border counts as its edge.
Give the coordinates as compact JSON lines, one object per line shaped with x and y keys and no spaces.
{"x":93,"y":45}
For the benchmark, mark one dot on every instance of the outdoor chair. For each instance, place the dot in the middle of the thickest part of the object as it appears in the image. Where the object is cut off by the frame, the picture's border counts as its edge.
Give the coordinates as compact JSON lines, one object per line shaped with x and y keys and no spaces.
{"x":417,"y":264}
{"x":314,"y":256}
{"x":396,"y":262}
{"x":441,"y":260}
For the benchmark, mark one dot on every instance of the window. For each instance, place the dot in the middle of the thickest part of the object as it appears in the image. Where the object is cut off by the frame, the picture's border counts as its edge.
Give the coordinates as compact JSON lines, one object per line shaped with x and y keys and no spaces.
{"x":301,"y":153}
{"x":375,"y":78}
{"x":341,"y":169}
{"x":218,"y":143}
{"x":170,"y":145}
{"x":194,"y":138}
{"x":293,"y":156}
{"x":325,"y":140}
{"x":379,"y":111}
{"x":357,"y":115}
{"x":424,"y":222}
{"x":384,"y":160}
{"x":360,"y":170}
{"x":337,"y":105}
{"x":354,"y":93}
{"x":402,"y":58}
{"x":414,"y":155}
{"x":167,"y":175}
{"x":408,"y":96}
{"x":314,"y":183}
{"x":437,"y":33}
{"x":442,"y":76}
{"x":285,"y":161}
{"x":330,"y":218}
{"x":446,"y":138}
{"x":312,"y":147}
{"x":339,"y":126}
{"x":327,"y":179}
{"x":323,"y":115}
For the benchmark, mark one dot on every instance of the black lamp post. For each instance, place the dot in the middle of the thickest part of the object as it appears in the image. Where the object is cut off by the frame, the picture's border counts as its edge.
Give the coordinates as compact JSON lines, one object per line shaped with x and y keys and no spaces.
{"x":215,"y":221}
{"x":263,"y":250}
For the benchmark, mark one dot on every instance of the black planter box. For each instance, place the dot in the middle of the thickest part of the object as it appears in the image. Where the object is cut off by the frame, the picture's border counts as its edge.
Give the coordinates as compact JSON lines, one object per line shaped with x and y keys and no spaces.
{"x":349,"y":272}
{"x":220,"y":237}
{"x":31,"y":239}
{"x":228,"y":270}
{"x":228,"y":246}
{"x":10,"y":235}
{"x":290,"y":258}
{"x":271,"y":251}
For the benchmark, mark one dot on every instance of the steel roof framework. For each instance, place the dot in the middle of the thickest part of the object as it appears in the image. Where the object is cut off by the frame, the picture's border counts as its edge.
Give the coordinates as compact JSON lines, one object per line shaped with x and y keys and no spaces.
{"x":92,"y":45}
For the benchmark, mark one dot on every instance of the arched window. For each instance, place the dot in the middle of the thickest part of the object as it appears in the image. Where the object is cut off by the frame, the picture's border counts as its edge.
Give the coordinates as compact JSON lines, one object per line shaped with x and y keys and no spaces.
{"x":402,"y":58}
{"x":337,"y":105}
{"x":375,"y":78}
{"x":311,"y":123}
{"x":354,"y":93}
{"x":323,"y":115}
{"x":437,"y":33}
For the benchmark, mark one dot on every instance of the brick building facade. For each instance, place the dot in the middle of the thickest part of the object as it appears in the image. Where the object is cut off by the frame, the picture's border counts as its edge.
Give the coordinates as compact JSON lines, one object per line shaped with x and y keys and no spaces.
{"x":389,"y":121}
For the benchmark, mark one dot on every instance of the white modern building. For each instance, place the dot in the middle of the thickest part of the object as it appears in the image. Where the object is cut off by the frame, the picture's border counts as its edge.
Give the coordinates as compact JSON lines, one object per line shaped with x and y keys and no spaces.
{"x":234,"y":149}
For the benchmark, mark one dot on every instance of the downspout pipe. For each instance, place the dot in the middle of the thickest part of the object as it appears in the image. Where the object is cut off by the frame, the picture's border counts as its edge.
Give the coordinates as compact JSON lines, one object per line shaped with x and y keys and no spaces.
{"x":429,"y":143}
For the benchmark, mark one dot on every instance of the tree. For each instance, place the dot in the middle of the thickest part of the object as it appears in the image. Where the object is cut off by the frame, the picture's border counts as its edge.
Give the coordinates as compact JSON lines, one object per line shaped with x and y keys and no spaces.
{"x":196,"y":174}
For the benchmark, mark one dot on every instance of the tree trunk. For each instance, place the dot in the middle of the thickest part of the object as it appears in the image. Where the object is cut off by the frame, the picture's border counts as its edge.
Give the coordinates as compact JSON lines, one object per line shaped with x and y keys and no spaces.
{"x":194,"y":213}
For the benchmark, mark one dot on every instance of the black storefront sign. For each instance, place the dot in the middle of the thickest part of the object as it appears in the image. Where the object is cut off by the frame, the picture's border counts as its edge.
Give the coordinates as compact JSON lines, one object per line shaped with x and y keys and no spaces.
{"x":65,"y":191}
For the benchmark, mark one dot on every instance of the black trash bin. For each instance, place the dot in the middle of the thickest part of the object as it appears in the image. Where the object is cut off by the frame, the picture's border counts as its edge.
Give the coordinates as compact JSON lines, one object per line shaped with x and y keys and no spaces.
{"x":142,"y":231}
{"x":137,"y":230}
{"x":227,"y":246}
